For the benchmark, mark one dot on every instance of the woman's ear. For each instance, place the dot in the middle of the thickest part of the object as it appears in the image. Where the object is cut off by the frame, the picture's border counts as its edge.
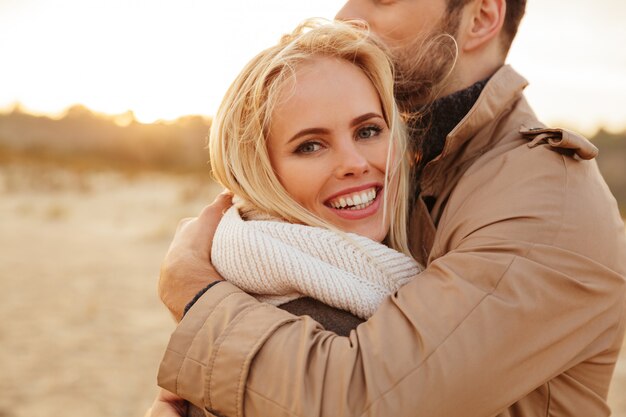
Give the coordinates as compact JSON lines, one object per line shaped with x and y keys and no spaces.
{"x":484,"y":23}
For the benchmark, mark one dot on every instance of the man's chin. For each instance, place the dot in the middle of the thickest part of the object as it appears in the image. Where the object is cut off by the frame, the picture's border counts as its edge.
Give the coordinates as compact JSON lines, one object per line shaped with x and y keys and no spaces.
{"x":423,"y":71}
{"x":425,"y":66}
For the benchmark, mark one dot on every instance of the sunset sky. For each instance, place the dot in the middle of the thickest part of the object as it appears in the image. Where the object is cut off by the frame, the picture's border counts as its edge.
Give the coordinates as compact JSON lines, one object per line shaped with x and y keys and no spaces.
{"x":165,"y":58}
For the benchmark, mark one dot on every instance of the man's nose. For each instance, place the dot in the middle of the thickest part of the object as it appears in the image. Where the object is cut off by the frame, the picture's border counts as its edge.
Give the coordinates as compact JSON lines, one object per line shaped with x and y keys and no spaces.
{"x":351,"y":163}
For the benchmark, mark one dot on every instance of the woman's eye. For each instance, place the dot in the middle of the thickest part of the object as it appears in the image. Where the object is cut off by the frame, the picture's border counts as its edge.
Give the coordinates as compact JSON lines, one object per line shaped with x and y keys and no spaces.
{"x":308,"y":147}
{"x":368,"y":132}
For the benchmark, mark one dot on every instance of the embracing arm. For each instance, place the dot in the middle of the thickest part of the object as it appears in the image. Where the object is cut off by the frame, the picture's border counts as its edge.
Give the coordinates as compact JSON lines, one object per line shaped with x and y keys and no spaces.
{"x":508,"y":306}
{"x":437,"y":348}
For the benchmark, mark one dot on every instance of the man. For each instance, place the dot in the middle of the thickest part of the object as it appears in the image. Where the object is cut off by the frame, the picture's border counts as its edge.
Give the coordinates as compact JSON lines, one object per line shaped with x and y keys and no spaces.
{"x":520,"y":311}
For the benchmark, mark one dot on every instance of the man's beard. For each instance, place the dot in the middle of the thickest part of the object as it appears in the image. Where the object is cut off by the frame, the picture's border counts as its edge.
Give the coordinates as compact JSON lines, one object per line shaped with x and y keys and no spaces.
{"x":424,"y":67}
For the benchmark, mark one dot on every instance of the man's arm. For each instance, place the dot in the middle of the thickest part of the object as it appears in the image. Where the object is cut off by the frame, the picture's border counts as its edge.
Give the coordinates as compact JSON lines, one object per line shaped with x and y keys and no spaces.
{"x":440,"y":347}
{"x":503,"y":311}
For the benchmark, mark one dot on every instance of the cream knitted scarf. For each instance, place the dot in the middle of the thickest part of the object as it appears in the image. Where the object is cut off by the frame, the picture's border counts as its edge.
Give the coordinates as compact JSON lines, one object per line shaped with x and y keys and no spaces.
{"x":278,"y":262}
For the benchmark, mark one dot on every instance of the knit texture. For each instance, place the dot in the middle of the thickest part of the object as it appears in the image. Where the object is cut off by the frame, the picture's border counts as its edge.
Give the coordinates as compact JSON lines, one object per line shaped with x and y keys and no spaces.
{"x":278,"y":262}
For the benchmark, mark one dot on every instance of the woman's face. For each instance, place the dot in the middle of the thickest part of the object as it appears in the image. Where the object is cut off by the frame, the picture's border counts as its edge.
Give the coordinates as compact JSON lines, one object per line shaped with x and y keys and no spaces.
{"x":328,"y":145}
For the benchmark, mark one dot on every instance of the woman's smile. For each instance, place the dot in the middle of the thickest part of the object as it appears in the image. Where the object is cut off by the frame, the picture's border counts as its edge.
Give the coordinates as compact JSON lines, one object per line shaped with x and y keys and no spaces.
{"x":352,"y":200}
{"x":356,"y":204}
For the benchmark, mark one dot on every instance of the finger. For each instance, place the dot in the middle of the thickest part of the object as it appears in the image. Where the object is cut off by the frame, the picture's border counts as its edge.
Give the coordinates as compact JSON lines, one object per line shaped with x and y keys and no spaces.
{"x":224,"y":198}
{"x":211,"y":214}
{"x":184,"y":222}
{"x":196,"y":233}
{"x":168,"y":396}
{"x":227,"y":192}
{"x":222,"y":202}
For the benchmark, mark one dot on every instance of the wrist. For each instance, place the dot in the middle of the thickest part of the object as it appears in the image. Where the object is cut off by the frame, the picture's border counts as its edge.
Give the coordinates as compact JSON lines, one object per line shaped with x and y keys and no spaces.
{"x":178,"y":286}
{"x":198,"y":295}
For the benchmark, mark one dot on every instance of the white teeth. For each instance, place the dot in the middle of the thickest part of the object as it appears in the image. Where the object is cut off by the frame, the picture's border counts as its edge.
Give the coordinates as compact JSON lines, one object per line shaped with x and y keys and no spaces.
{"x":356,"y":201}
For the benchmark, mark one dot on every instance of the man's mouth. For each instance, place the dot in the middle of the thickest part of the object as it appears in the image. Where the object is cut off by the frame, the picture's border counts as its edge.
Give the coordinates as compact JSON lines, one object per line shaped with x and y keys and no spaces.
{"x":354,"y":201}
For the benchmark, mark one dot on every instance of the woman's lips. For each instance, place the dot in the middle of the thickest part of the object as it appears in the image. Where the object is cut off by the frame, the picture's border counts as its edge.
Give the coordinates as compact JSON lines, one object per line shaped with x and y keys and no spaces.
{"x":346,"y":207}
{"x":358,"y":199}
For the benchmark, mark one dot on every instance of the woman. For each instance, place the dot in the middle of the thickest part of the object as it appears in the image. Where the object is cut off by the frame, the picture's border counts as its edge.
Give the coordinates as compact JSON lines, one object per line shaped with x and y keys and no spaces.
{"x":309,"y":140}
{"x":309,"y":134}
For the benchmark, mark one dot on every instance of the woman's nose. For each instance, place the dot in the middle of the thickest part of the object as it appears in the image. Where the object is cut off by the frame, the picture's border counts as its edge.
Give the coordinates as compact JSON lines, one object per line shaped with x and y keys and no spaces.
{"x":351,"y":163}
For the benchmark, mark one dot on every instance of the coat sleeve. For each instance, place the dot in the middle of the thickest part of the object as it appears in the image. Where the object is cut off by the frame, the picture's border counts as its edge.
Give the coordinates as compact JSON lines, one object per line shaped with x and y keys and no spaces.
{"x":512,"y":302}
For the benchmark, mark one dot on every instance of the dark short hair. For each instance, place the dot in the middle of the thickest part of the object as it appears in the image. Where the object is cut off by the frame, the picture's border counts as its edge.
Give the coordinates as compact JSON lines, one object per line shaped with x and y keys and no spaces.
{"x":514,"y":12}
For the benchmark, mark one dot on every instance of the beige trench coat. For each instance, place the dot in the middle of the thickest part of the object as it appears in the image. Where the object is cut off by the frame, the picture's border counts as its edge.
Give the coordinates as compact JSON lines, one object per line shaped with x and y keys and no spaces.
{"x":520,"y":311}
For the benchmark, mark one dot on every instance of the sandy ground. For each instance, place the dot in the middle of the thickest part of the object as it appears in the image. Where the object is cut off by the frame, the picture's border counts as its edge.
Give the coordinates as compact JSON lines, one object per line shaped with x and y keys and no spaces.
{"x":82,"y":330}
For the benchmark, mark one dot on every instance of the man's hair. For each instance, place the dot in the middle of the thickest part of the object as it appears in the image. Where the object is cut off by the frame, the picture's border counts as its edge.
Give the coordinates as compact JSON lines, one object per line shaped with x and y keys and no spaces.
{"x":514,"y":12}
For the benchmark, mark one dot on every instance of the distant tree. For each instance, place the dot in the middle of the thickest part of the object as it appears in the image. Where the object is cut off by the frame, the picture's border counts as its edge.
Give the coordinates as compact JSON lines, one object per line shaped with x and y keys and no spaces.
{"x":99,"y":140}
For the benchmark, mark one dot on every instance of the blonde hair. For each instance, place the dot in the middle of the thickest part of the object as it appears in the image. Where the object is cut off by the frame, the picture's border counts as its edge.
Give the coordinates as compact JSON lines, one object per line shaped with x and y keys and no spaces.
{"x":238,"y":139}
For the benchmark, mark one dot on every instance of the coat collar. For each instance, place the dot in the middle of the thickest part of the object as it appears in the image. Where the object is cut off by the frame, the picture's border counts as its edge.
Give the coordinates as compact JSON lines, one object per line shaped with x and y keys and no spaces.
{"x":464,"y":143}
{"x":473,"y":136}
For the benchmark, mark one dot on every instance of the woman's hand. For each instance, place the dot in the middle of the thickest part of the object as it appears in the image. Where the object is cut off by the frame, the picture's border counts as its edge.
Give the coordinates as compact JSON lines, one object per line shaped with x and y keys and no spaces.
{"x":187,"y":267}
{"x":167,"y":404}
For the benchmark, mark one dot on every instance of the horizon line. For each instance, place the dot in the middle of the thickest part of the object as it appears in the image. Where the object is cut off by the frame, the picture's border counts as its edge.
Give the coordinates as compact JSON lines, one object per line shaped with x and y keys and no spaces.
{"x":128,"y":116}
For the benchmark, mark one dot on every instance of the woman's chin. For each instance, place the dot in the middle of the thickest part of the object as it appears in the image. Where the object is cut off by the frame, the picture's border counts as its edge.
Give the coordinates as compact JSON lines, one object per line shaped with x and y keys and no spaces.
{"x":373,"y":229}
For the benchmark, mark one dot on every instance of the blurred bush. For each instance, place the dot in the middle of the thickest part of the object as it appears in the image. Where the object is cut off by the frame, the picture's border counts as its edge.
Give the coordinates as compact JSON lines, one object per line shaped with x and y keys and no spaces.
{"x":86,"y":140}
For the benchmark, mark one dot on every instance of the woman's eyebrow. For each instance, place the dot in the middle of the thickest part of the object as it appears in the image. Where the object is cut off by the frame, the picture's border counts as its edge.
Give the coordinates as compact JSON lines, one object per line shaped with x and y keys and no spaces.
{"x":309,"y":131}
{"x":364,"y":117}
{"x":323,"y":131}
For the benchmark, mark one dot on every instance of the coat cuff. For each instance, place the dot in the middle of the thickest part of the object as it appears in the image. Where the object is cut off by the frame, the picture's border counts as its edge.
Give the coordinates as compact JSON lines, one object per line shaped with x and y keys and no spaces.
{"x":209,"y":354}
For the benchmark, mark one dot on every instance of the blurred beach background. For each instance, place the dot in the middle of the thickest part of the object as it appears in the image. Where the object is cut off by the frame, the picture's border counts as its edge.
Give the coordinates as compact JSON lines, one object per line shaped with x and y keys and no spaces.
{"x":104,"y":113}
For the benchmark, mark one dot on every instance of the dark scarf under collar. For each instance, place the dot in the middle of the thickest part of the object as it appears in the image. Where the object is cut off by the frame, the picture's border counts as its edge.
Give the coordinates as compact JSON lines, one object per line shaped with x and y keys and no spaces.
{"x":430,"y":129}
